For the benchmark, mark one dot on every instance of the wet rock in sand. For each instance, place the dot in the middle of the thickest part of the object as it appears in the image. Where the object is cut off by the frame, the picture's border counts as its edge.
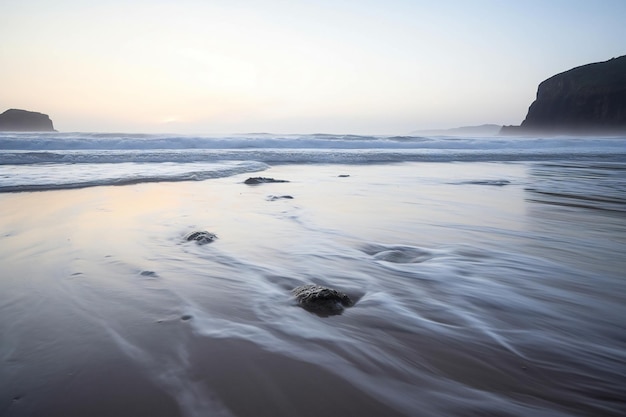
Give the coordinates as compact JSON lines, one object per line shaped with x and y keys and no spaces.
{"x":497,"y":183}
{"x":202,"y":237}
{"x":261,"y":180}
{"x":279,"y":197}
{"x":321,"y":300}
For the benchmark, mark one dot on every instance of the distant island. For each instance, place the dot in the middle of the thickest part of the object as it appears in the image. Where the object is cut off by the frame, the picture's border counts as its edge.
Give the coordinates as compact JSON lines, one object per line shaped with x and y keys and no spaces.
{"x":584,"y":100}
{"x":472,"y":131}
{"x":15,"y":120}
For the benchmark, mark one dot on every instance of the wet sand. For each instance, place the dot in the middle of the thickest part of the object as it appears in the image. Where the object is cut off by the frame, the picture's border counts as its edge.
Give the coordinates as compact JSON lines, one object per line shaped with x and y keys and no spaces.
{"x":473,"y":297}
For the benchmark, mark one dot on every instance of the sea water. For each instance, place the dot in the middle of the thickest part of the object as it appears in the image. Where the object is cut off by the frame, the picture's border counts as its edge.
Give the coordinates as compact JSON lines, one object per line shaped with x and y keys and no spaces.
{"x":488,"y":275}
{"x":39,"y":161}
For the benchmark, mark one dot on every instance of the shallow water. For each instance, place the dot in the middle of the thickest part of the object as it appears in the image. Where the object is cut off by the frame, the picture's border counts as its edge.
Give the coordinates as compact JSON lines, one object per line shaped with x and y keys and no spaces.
{"x":481,"y":288}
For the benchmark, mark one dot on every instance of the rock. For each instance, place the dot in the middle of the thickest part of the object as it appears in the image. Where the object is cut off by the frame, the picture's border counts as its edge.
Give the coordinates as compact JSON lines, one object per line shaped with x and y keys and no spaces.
{"x":584,"y":100}
{"x":343,"y":175}
{"x":261,"y":180}
{"x":202,"y":237}
{"x":321,"y":300}
{"x":497,"y":183}
{"x":511,"y":130}
{"x":15,"y":120}
{"x":279,"y":197}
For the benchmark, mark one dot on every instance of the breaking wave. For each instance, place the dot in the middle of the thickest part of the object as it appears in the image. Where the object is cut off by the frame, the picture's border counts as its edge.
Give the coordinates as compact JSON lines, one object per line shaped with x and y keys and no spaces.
{"x":37,"y":161}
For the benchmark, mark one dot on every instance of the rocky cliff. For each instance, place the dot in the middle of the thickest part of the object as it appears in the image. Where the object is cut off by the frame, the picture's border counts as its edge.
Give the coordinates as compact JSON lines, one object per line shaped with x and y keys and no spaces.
{"x":15,"y":120}
{"x":586,"y":99}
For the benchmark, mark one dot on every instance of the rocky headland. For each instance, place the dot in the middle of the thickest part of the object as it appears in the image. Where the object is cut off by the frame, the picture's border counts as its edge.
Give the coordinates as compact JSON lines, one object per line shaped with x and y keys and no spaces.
{"x":15,"y":120}
{"x":584,"y":100}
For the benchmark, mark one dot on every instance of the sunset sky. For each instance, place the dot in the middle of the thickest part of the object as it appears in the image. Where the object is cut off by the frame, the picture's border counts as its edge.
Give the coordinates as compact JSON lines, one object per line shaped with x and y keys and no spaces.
{"x":368,"y":67}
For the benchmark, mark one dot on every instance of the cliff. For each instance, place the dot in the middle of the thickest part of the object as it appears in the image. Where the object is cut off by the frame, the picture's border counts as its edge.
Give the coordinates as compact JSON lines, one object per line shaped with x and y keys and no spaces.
{"x":586,"y":99}
{"x":15,"y":120}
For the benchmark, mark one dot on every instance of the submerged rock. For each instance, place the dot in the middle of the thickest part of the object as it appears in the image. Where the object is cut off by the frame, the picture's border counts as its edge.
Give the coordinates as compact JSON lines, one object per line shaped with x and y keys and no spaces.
{"x":261,"y":180}
{"x":202,"y":237}
{"x":321,"y":300}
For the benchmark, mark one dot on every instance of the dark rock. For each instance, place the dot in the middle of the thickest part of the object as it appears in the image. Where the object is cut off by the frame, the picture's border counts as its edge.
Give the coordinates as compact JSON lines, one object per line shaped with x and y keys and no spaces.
{"x":15,"y":120}
{"x":343,"y":175}
{"x":202,"y":237}
{"x":321,"y":300}
{"x":584,"y":100}
{"x":279,"y":197}
{"x":261,"y":180}
{"x":497,"y":183}
{"x":510,"y":130}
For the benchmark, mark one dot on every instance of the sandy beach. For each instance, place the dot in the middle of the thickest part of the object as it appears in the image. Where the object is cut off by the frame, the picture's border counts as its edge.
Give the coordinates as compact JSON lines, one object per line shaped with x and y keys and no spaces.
{"x":477,"y":294}
{"x":312,"y":209}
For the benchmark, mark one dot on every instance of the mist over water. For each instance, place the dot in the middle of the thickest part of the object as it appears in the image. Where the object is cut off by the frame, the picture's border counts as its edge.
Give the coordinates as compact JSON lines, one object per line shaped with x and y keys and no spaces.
{"x":487,"y":274}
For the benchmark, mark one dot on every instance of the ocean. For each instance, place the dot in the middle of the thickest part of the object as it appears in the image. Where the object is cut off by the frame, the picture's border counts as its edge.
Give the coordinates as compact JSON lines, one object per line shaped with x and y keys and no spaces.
{"x":487,"y":275}
{"x":42,"y":161}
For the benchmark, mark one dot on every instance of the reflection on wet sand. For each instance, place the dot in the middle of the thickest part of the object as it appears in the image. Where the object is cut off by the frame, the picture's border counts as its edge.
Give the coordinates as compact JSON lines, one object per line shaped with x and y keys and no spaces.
{"x":472,"y":299}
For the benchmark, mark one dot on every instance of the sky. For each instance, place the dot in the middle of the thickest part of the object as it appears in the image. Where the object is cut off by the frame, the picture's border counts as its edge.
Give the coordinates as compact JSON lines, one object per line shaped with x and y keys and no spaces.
{"x":290,"y":66}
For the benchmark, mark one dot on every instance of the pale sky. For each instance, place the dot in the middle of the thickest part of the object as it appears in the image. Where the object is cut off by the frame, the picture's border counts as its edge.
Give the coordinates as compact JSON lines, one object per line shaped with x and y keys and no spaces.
{"x":236,"y":66}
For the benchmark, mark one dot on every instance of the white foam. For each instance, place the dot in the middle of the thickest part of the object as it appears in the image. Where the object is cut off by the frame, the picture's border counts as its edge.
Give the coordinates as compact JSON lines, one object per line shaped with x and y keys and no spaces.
{"x":67,"y":176}
{"x":59,"y":152}
{"x":100,"y":141}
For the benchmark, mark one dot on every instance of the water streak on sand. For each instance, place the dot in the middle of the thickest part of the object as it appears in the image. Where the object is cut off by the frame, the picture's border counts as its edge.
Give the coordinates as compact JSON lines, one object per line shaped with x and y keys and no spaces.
{"x":471,"y":299}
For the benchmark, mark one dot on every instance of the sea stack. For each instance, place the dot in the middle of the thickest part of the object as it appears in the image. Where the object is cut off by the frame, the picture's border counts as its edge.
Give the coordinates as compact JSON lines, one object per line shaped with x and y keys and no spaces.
{"x":584,"y":100}
{"x":15,"y":120}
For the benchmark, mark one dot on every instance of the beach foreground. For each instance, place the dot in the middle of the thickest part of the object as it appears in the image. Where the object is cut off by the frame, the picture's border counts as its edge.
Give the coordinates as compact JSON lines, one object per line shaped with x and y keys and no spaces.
{"x":480,"y":288}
